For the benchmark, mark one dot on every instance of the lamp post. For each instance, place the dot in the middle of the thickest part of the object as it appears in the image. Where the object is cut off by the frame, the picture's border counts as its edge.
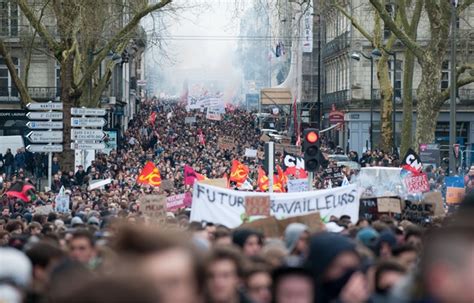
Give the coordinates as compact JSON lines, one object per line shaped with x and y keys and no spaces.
{"x":452,"y":97}
{"x":356,"y":56}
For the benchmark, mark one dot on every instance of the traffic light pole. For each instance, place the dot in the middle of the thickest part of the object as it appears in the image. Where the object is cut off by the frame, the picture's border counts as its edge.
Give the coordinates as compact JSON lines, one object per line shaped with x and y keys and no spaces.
{"x":270,"y":155}
{"x":310,"y":180}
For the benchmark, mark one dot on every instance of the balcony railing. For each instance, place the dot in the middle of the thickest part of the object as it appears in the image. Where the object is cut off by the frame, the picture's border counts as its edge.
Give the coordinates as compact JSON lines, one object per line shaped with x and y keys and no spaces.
{"x":464,"y":94}
{"x":334,"y":46}
{"x":11,"y":94}
{"x":339,"y":97}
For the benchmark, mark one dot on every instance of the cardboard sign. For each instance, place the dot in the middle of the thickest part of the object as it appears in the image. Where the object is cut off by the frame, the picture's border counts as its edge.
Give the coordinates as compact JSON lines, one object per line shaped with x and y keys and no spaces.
{"x":265,"y":138}
{"x":436,"y":199}
{"x":167,"y":185}
{"x":368,"y":209}
{"x":291,"y":149}
{"x":417,"y":183}
{"x":268,"y":226}
{"x":454,"y":195}
{"x":313,"y":221}
{"x":219,"y":182}
{"x":257,"y":206}
{"x":226,"y":142}
{"x":154,"y":207}
{"x":251,"y":153}
{"x":417,"y":212}
{"x":389,"y":205}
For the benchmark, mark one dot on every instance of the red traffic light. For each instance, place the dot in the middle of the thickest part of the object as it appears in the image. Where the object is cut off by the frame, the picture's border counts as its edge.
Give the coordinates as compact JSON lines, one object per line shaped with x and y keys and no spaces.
{"x":312,"y":137}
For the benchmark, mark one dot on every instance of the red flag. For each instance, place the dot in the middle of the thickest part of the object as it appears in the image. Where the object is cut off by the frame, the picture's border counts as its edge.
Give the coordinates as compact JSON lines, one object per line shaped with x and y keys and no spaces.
{"x":201,"y":137}
{"x":298,"y":172}
{"x":189,"y":175}
{"x":282,"y":179}
{"x":238,"y":172}
{"x":150,"y":175}
{"x":262,"y":181}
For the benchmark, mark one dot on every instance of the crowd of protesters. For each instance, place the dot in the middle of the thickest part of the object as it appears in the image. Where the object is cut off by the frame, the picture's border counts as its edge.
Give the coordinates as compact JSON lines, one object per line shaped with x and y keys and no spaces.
{"x":105,"y":250}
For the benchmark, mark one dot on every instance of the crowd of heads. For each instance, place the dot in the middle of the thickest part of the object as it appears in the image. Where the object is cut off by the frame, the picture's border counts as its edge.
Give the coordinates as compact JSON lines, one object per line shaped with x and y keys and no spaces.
{"x":104,"y":249}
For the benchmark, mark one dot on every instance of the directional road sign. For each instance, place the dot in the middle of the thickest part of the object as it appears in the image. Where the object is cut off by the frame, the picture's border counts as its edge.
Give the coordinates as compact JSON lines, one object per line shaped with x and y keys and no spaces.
{"x":45,"y":136}
{"x":87,"y":134}
{"x":38,"y":148}
{"x":45,"y":115}
{"x":77,"y":111}
{"x":87,"y":122}
{"x":45,"y":106}
{"x":87,"y":146}
{"x":44,"y":125}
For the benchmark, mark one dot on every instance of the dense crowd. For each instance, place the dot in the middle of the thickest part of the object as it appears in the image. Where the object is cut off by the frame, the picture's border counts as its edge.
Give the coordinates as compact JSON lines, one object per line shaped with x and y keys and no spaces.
{"x":103,"y":249}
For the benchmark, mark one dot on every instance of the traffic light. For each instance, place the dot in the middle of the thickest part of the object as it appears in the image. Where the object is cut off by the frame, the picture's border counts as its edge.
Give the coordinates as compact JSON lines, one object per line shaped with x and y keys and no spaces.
{"x":312,"y":154}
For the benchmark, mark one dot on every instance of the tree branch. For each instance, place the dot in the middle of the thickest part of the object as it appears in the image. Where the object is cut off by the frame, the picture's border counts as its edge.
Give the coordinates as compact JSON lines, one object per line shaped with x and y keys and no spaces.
{"x":404,"y":38}
{"x":445,"y":94}
{"x":465,"y":4}
{"x":24,"y":96}
{"x":355,"y":23}
{"x":117,"y":37}
{"x":38,"y":26}
{"x":403,"y":14}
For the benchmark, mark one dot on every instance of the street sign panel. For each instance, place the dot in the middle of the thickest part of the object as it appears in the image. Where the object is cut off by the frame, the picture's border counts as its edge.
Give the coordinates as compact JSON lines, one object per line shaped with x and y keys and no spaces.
{"x":87,"y":134}
{"x":40,"y":148}
{"x":44,"y":125}
{"x":87,"y":146}
{"x":45,"y":115}
{"x":141,"y":82}
{"x":45,"y":136}
{"x":45,"y":106}
{"x":88,"y":122}
{"x":77,"y":111}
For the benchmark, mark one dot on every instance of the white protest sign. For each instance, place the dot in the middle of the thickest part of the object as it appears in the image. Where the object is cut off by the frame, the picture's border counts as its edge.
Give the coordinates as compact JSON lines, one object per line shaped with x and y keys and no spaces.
{"x":297,"y":185}
{"x":94,"y":184}
{"x":226,"y":207}
{"x":251,"y":153}
{"x":62,"y":201}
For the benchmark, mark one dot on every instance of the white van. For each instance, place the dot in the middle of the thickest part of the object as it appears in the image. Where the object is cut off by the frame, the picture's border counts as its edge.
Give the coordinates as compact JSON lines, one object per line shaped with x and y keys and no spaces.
{"x":11,"y":142}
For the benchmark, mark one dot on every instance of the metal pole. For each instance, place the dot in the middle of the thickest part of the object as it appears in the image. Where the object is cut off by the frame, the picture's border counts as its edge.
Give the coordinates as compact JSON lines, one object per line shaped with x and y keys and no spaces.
{"x":50,"y":156}
{"x":310,"y":180}
{"x":394,"y":111}
{"x":320,"y":107}
{"x":371,"y":131}
{"x":452,"y":104}
{"x":271,"y":156}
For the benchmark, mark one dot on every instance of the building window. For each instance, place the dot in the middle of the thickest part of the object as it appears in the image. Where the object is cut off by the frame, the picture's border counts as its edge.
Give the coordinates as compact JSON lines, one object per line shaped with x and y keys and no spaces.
{"x":445,"y":75}
{"x":7,"y":88}
{"x":398,"y":77}
{"x":8,"y":18}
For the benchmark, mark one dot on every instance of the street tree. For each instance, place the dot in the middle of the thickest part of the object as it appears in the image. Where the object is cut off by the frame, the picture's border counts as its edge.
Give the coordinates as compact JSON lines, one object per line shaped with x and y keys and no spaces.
{"x":81,"y":35}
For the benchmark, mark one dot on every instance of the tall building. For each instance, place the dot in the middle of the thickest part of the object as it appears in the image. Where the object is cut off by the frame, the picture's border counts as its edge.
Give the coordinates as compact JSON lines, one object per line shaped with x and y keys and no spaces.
{"x":347,"y":81}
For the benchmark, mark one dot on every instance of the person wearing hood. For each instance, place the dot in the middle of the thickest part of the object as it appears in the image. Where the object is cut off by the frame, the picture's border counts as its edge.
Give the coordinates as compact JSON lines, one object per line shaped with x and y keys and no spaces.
{"x":335,"y":267}
{"x":249,"y":240}
{"x":296,"y":239}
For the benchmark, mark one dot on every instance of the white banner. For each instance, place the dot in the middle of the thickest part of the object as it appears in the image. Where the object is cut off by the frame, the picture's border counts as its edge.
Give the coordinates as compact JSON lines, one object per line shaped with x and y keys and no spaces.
{"x":297,"y":185}
{"x":251,"y":153}
{"x":308,"y":30}
{"x":224,"y":206}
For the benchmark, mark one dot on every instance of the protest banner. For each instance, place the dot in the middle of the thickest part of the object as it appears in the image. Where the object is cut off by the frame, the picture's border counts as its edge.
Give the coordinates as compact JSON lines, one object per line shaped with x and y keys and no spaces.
{"x":251,"y":153}
{"x":257,"y":206}
{"x":190,"y":120}
{"x":173,"y":203}
{"x":290,"y":160}
{"x":417,"y":212}
{"x":226,"y":142}
{"x":455,"y":190}
{"x":334,"y":174}
{"x":154,"y":207}
{"x":389,"y":205}
{"x":416,"y":183}
{"x":62,"y":201}
{"x":292,"y":149}
{"x":368,"y":209}
{"x":297,"y":185}
{"x":214,"y":116}
{"x":223,"y":206}
{"x":219,"y":182}
{"x":94,"y":184}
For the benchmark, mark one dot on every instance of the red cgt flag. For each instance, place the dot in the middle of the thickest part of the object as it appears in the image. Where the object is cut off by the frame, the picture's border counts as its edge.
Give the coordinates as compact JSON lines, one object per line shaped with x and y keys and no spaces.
{"x":153,"y":118}
{"x":238,"y":172}
{"x":150,"y":175}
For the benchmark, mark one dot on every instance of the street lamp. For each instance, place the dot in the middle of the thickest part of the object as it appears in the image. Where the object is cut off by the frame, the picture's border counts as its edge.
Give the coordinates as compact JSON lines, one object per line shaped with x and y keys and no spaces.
{"x":375,"y":54}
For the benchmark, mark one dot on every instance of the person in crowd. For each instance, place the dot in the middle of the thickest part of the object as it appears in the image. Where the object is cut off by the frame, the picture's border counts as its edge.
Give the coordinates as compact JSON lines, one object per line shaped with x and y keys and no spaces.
{"x":293,"y":284}
{"x":82,"y":247}
{"x":80,"y":175}
{"x":250,"y":241}
{"x":387,"y":275}
{"x":8,"y":162}
{"x":224,"y":273}
{"x":296,"y":239}
{"x":406,"y":255}
{"x":258,"y":283}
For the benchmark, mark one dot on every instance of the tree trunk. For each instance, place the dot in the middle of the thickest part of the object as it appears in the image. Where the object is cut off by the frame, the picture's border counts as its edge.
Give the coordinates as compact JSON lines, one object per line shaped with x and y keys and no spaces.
{"x":67,"y":156}
{"x":427,"y":113}
{"x":385,"y":104}
{"x":407,"y":97}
